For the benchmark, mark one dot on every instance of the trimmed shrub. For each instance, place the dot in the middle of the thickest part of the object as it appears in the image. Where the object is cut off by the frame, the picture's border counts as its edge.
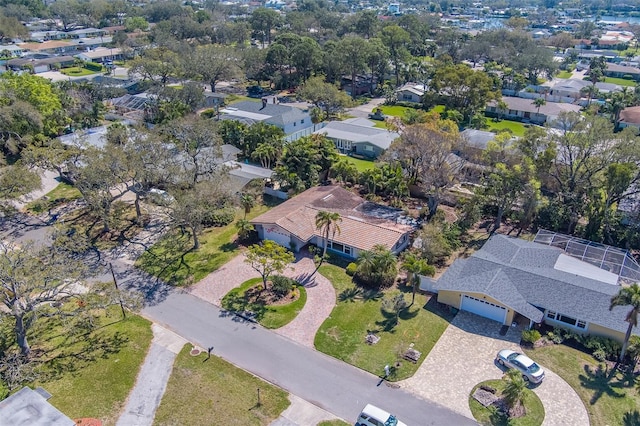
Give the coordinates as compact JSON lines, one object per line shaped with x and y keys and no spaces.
{"x":282,"y":285}
{"x":220,"y":217}
{"x":351,"y":269}
{"x":531,"y":336}
{"x":92,"y":66}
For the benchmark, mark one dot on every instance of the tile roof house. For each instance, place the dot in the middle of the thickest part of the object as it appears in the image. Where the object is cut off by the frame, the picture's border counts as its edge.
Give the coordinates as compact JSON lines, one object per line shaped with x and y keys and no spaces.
{"x":524,"y":110}
{"x":293,"y":121}
{"x":630,"y":117}
{"x":292,"y":224}
{"x":358,"y":136}
{"x":510,"y":279}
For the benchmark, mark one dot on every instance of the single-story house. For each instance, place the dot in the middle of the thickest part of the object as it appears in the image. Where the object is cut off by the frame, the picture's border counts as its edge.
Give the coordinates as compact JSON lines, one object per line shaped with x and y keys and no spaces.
{"x":213,"y":99}
{"x":620,"y":71}
{"x":293,"y":121}
{"x":47,"y":35}
{"x":292,"y":224}
{"x":477,"y":139}
{"x":52,"y":46}
{"x":101,"y":55}
{"x":10,"y":50}
{"x":39,"y":65}
{"x":512,"y":280}
{"x":630,"y":117}
{"x":358,"y":136}
{"x":574,"y":88}
{"x":30,"y":407}
{"x":525,"y":110}
{"x":86,"y":32}
{"x":411,"y":92}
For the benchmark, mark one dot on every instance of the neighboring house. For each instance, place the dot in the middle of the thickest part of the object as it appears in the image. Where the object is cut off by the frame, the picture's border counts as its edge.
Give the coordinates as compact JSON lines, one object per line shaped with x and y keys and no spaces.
{"x":525,"y":110}
{"x":30,"y":407}
{"x":630,"y":117}
{"x":86,"y":32}
{"x":622,"y":71}
{"x":574,"y":88}
{"x":213,"y":99}
{"x":10,"y":50}
{"x":101,"y":55}
{"x":510,"y":280}
{"x":477,"y":139}
{"x":365,"y":84}
{"x":358,"y":136}
{"x":293,"y":121}
{"x":411,"y":92}
{"x":40,"y":65}
{"x":292,"y":224}
{"x":53,"y":46}
{"x":47,"y":35}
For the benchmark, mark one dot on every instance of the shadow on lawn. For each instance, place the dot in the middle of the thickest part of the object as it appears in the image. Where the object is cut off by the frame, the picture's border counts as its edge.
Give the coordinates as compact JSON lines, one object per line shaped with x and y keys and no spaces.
{"x":600,"y":380}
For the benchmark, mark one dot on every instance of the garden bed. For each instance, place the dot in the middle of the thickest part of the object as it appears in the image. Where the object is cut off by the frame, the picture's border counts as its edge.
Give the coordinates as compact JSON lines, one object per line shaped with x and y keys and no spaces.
{"x":493,"y":412}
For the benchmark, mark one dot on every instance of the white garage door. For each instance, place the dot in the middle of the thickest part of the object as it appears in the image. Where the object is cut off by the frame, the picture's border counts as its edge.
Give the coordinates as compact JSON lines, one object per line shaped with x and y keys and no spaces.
{"x":277,"y":234}
{"x":484,"y":308}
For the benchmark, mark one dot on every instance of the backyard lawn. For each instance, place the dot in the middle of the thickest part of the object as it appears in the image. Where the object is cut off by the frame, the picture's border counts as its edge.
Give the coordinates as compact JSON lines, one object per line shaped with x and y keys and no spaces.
{"x":607,"y":400}
{"x":357,"y":312}
{"x":564,"y":74}
{"x":93,"y":375}
{"x":392,"y":110}
{"x":516,"y":128}
{"x":361,"y":165}
{"x":172,"y":260}
{"x":269,"y":316}
{"x":212,"y":391}
{"x":63,"y":193}
{"x":620,"y":81}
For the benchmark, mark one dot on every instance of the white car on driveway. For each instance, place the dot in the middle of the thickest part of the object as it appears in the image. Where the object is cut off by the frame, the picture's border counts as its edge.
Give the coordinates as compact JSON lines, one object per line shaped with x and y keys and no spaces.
{"x":531,"y":372}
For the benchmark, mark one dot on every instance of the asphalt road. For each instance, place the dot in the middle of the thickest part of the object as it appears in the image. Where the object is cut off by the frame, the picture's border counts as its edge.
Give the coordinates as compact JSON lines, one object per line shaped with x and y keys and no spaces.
{"x":330,"y":384}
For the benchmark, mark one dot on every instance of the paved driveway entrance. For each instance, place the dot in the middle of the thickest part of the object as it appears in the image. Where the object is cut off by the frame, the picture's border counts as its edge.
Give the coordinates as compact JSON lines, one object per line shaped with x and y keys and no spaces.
{"x":464,"y":356}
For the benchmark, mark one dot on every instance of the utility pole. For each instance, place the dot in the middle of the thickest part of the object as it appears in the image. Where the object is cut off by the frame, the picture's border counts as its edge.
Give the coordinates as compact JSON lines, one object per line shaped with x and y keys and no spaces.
{"x":115,"y":283}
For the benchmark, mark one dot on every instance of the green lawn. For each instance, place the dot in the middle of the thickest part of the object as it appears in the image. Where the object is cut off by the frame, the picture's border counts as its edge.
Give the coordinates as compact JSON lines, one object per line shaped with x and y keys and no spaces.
{"x":393,"y":110}
{"x":214,"y":392}
{"x":274,"y":316}
{"x":77,"y":71}
{"x":381,"y":125}
{"x":564,"y":74}
{"x":361,"y":165}
{"x":516,"y":128}
{"x":61,"y":194}
{"x":438,"y":108}
{"x":171,"y":259}
{"x":485,"y":416}
{"x":334,"y":423}
{"x":93,"y":376}
{"x":620,"y":81}
{"x":343,"y":334}
{"x":607,"y":400}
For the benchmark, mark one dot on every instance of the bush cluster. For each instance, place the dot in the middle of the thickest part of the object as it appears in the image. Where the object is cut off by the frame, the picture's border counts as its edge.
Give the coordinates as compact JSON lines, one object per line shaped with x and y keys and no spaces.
{"x":282,"y":285}
{"x":351,"y":269}
{"x":220,"y":217}
{"x":92,"y":66}
{"x":601,"y":348}
{"x":531,"y":336}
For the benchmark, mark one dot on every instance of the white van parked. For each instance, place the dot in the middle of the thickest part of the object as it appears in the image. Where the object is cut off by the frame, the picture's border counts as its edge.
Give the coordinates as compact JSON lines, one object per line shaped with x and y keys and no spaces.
{"x":374,"y":416}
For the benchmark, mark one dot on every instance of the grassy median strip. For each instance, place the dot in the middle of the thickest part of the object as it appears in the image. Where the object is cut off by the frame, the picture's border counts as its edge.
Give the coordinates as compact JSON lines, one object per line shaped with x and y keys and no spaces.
{"x":358,"y":312}
{"x":212,"y":391}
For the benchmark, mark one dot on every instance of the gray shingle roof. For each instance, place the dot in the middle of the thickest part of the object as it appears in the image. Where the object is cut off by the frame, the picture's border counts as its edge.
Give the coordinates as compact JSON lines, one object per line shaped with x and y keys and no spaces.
{"x":356,"y":133}
{"x":280,"y":115}
{"x":521,"y":275}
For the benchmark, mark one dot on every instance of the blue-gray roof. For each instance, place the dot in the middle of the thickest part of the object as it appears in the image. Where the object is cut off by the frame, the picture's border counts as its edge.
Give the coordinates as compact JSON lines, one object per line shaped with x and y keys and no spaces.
{"x":521,"y":275}
{"x":280,"y":115}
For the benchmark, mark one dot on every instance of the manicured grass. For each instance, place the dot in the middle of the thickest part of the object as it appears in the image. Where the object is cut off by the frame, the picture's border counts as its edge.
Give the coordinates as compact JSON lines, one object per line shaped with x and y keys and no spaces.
{"x":381,"y":124}
{"x":392,"y":110}
{"x":172,"y":260}
{"x":214,"y":392}
{"x":485,"y":416}
{"x":93,"y":376}
{"x":343,"y":334}
{"x":438,"y":108}
{"x":564,"y":74}
{"x":334,"y":423}
{"x":268,"y":316}
{"x":516,"y":128}
{"x":77,"y":71}
{"x":63,"y":193}
{"x":607,"y":399}
{"x":361,"y":165}
{"x":620,"y":81}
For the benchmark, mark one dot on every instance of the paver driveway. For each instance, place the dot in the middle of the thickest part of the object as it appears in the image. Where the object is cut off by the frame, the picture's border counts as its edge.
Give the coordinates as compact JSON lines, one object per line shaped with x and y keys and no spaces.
{"x":464,"y":356}
{"x":321,"y":296}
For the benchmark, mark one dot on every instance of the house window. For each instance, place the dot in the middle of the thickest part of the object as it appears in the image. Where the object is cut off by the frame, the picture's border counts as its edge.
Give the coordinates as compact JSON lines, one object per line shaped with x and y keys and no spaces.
{"x":302,"y":121}
{"x":567,"y":320}
{"x":347,"y":250}
{"x":581,"y":324}
{"x":551,"y":315}
{"x":294,"y":124}
{"x":368,"y":148}
{"x":337,"y":246}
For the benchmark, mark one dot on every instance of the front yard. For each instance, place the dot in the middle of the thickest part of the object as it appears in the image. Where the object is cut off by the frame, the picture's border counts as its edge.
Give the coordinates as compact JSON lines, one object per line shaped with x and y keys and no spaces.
{"x":172,"y":260}
{"x":361,"y":165}
{"x":607,"y":399}
{"x":515,"y":127}
{"x":358,"y":312}
{"x":211,"y":391}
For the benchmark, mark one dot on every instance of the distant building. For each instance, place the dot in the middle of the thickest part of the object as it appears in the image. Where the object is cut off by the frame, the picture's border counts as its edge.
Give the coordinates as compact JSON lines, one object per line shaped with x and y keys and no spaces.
{"x":525,"y":110}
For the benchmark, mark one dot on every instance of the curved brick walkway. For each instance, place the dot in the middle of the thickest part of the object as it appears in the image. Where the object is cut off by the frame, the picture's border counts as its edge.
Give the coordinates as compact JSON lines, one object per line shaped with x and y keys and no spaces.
{"x":321,"y":296}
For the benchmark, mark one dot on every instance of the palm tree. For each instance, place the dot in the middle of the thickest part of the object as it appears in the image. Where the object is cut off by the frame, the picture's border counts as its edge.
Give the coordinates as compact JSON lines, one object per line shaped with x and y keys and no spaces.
{"x":248,"y":201}
{"x":502,"y":107}
{"x":244,"y":228}
{"x":514,"y":389}
{"x":415,"y":266}
{"x":628,"y":296}
{"x":327,"y":224}
{"x":538,"y":102}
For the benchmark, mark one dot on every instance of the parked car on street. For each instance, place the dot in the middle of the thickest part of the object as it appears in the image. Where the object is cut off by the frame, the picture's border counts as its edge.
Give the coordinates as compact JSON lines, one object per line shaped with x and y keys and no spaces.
{"x":531,"y":372}
{"x":374,"y":416}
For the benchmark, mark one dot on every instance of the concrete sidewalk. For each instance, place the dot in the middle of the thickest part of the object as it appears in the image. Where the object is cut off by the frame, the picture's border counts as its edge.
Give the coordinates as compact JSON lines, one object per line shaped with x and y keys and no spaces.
{"x":302,"y":413}
{"x":152,"y":379}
